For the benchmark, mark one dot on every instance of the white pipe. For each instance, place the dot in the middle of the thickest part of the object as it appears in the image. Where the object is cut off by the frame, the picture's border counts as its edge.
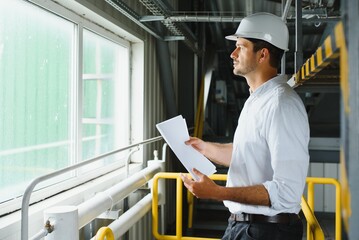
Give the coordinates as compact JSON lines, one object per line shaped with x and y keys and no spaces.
{"x":103,"y":201}
{"x":32,"y":185}
{"x":192,"y":18}
{"x":65,"y":222}
{"x":120,"y":226}
{"x":128,"y":159}
{"x":164,"y":151}
{"x":286,"y":10}
{"x":41,"y":234}
{"x":163,"y":218}
{"x":161,"y":182}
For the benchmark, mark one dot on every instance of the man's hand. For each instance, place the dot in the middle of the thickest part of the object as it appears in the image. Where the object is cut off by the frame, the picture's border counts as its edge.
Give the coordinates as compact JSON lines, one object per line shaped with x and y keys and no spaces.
{"x":197,"y":144}
{"x":203,"y":188}
{"x":216,"y":152}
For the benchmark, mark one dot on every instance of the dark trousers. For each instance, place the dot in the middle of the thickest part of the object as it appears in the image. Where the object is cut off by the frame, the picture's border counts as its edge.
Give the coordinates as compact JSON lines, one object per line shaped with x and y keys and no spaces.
{"x":263,"y":231}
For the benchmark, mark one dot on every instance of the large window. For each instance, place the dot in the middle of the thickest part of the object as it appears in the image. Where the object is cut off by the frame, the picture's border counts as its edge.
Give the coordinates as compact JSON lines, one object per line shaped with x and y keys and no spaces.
{"x":44,"y":101}
{"x":105,"y":96}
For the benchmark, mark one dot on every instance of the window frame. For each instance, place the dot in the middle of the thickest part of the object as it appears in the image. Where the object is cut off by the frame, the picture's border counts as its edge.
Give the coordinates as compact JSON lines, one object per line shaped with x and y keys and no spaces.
{"x":78,"y":15}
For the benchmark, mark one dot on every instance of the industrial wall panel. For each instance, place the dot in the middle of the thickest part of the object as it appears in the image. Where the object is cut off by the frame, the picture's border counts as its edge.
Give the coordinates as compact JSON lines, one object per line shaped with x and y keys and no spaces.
{"x":324,"y":195}
{"x":317,"y":170}
{"x":330,"y":171}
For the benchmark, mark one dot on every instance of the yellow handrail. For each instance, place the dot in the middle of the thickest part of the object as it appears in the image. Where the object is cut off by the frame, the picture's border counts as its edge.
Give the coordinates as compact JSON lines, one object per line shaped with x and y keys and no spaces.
{"x":104,"y":232}
{"x":313,"y":229}
{"x":179,"y":185}
{"x":315,"y":180}
{"x":313,"y":225}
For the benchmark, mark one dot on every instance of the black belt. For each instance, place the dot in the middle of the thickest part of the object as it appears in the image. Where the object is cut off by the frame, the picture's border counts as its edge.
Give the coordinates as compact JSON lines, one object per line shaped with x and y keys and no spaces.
{"x":283,"y":218}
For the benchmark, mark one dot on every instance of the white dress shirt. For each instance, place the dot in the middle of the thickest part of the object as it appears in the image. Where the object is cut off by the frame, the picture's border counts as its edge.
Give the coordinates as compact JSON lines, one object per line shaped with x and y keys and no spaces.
{"x":270,"y":147}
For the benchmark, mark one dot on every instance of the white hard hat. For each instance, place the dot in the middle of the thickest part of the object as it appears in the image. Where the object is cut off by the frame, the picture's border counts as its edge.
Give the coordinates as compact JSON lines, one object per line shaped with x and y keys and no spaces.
{"x":263,"y":26}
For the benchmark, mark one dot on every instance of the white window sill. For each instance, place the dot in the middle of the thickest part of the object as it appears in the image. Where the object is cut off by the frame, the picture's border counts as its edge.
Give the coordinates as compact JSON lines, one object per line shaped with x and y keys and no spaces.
{"x":10,"y":225}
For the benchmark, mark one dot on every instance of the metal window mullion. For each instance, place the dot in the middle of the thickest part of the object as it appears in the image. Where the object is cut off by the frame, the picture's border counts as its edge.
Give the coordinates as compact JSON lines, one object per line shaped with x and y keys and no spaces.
{"x":98,"y":98}
{"x":78,"y":92}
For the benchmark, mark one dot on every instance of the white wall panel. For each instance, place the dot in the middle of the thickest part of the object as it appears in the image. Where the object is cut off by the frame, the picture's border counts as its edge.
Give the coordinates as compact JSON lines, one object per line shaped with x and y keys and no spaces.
{"x":324,"y":199}
{"x":317,"y":170}
{"x":330,"y":171}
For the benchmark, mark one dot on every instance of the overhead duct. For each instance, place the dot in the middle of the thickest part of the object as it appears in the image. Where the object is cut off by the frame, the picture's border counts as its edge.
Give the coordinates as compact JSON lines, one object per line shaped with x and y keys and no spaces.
{"x":162,"y":10}
{"x":192,"y":18}
{"x":166,"y":78}
{"x":154,"y":8}
{"x":133,"y":16}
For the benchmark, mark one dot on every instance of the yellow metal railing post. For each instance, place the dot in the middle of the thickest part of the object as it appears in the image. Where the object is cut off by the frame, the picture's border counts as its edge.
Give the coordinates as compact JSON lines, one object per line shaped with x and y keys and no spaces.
{"x":190,"y":201}
{"x":338,"y":209}
{"x":179,"y":208}
{"x":313,"y":226}
{"x":104,"y":232}
{"x":155,"y":207}
{"x":311,"y":206}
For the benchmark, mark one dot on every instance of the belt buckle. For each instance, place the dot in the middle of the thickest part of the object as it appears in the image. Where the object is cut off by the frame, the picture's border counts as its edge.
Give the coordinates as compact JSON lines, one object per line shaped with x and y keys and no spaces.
{"x":243,"y":217}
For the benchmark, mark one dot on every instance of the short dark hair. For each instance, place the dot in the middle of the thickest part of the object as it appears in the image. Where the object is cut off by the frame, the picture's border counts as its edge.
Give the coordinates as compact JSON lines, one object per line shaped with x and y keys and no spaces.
{"x":275,"y":53}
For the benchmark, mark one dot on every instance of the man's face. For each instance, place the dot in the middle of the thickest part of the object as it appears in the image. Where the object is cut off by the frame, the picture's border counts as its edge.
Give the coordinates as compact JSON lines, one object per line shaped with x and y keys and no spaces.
{"x":244,"y":59}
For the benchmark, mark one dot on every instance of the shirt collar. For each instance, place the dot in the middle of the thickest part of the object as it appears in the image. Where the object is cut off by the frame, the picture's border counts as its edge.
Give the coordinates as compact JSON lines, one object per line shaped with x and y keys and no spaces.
{"x":268,"y":85}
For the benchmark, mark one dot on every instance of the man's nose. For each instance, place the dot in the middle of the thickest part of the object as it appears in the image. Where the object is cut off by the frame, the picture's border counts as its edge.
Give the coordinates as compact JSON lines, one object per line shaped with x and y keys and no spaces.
{"x":234,"y":54}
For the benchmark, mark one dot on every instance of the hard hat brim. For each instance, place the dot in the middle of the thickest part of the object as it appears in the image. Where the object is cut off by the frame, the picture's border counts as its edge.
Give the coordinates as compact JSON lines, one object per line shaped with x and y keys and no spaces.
{"x":235,"y":37}
{"x":232,"y":37}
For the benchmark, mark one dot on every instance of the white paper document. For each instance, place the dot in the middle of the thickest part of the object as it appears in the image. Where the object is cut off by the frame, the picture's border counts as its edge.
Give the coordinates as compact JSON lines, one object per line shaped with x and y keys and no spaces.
{"x":175,"y":133}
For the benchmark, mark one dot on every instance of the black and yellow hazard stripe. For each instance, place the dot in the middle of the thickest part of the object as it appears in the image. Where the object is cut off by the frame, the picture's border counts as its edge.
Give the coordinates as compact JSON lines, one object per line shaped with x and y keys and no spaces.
{"x":328,"y":51}
{"x":333,"y":47}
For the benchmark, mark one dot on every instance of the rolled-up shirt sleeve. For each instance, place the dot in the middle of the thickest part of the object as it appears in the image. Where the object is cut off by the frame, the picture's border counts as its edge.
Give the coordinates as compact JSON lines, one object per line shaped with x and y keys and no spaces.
{"x":287,"y":135}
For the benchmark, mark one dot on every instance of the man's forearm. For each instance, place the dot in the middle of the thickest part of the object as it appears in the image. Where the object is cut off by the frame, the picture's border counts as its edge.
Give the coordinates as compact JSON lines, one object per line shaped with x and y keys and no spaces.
{"x":252,"y":195}
{"x":219,"y":153}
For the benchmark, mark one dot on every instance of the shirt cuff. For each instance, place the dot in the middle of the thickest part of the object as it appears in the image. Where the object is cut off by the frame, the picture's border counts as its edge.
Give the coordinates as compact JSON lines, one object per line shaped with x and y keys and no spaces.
{"x":272,"y":189}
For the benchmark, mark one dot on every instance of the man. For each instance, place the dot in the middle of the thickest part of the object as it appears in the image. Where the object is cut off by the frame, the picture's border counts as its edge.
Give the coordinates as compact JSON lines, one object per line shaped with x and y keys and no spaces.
{"x":268,"y":160}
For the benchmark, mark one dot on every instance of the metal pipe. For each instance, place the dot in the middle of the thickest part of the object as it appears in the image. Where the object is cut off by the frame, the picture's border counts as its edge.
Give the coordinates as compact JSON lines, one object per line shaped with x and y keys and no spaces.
{"x":286,"y":9}
{"x":120,"y":226}
{"x":128,"y":159}
{"x":32,"y":185}
{"x":125,"y":10}
{"x":104,"y":232}
{"x":331,"y":19}
{"x":48,"y":228}
{"x":231,"y":19}
{"x":284,"y":18}
{"x":204,"y":19}
{"x":164,"y":151}
{"x":41,"y":234}
{"x":298,"y":60}
{"x":105,"y":200}
{"x":125,"y":201}
{"x":166,"y":76}
{"x":194,"y":18}
{"x":64,"y":221}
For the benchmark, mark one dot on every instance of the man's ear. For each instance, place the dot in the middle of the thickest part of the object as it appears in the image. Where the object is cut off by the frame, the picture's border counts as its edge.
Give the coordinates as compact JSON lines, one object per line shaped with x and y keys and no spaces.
{"x":264,"y":54}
